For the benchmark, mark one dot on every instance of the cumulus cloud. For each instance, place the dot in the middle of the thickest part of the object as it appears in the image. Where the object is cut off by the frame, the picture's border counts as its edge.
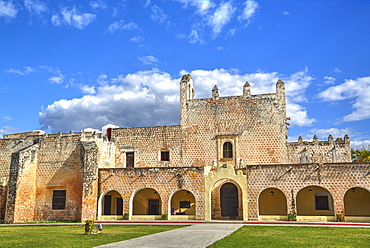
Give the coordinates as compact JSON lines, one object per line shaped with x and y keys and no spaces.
{"x":150,"y":98}
{"x":249,"y":10}
{"x":221,"y":17}
{"x":358,"y":90}
{"x":148,"y":60}
{"x":35,"y":6}
{"x":121,"y":25}
{"x":71,"y":17}
{"x":56,"y":80}
{"x":8,"y":9}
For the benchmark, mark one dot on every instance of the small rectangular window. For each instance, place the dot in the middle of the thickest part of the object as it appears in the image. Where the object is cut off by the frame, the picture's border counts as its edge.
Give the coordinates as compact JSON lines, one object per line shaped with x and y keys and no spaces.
{"x":322,"y":202}
{"x":59,"y":199}
{"x":130,"y":160}
{"x":165,"y":156}
{"x":184,"y":204}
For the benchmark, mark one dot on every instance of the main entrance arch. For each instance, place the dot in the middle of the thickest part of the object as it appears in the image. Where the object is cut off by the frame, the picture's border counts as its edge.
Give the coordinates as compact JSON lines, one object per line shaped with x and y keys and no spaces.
{"x":229,"y":200}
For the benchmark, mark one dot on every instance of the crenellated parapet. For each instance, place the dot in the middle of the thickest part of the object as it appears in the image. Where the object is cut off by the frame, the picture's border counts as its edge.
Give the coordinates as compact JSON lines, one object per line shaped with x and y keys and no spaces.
{"x":315,"y":151}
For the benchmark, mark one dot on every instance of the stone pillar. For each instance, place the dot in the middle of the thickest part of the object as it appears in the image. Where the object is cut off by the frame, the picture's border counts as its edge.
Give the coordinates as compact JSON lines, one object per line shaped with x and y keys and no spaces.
{"x":20,"y":206}
{"x":90,"y":181}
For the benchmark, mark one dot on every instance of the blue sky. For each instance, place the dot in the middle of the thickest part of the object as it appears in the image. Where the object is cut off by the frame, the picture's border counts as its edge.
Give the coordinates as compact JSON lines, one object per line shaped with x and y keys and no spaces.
{"x":69,"y":65}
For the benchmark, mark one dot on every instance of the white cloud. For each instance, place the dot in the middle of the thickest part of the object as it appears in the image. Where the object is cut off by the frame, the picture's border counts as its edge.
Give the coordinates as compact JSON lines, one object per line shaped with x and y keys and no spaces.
{"x":26,"y":70}
{"x":121,"y":25}
{"x":71,"y":17}
{"x":8,"y":9}
{"x":358,"y":90}
{"x":221,"y":17}
{"x":88,"y":89}
{"x":158,"y":14}
{"x":329,"y":80}
{"x":286,"y":13}
{"x":137,"y":39}
{"x":337,"y":70}
{"x":56,"y":80}
{"x":194,"y":37}
{"x":149,"y":98}
{"x":249,"y":10}
{"x":35,"y":6}
{"x":201,"y":6}
{"x":148,"y":60}
{"x":98,"y":5}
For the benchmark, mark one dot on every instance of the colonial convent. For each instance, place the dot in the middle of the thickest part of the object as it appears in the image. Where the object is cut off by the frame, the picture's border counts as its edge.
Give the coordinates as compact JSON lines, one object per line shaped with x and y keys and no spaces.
{"x":228,"y":159}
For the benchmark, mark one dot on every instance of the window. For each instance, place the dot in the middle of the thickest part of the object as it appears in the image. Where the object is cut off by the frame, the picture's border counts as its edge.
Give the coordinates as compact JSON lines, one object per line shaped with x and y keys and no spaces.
{"x":165,"y":156}
{"x":184,"y":204}
{"x":59,"y":199}
{"x":227,"y":150}
{"x":321,"y":202}
{"x":130,"y":160}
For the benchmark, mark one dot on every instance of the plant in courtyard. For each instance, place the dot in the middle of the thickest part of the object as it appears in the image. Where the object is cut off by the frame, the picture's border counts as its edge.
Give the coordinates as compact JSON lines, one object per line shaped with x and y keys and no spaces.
{"x":292,"y":216}
{"x":125,"y":216}
{"x":340,"y":217}
{"x":89,"y":224}
{"x":164,"y":216}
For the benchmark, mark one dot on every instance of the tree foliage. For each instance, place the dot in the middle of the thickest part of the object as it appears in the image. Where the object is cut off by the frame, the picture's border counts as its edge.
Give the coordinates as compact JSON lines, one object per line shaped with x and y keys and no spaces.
{"x":360,"y":155}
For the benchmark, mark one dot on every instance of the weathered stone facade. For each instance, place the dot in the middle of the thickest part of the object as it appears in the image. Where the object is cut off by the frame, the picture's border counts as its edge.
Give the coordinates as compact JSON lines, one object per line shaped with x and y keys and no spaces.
{"x":228,"y":158}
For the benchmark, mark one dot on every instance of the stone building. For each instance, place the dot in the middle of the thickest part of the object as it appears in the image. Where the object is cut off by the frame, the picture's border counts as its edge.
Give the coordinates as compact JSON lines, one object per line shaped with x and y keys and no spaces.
{"x":228,"y":159}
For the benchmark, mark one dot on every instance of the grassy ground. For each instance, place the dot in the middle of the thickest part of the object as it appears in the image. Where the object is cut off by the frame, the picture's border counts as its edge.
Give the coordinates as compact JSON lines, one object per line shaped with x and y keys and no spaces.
{"x":261,"y":236}
{"x":72,"y":236}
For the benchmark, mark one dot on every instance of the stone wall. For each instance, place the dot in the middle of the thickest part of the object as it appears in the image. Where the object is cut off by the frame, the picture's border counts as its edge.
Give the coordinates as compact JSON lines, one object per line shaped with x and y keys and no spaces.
{"x":147,"y":144}
{"x":257,"y":122}
{"x":337,"y":178}
{"x":329,"y":151}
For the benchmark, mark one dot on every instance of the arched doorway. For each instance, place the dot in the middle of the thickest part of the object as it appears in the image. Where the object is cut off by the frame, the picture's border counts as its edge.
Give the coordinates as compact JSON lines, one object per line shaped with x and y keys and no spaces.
{"x":315,"y":203}
{"x":229,"y":201}
{"x":272,"y":205}
{"x":146,"y":202}
{"x":182,"y":205}
{"x":357,"y":205}
{"x":110,"y":206}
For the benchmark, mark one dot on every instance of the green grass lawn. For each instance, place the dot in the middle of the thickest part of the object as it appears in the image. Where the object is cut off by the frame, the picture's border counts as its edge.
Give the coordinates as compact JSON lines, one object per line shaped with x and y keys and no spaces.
{"x":72,"y":236}
{"x":269,"y":236}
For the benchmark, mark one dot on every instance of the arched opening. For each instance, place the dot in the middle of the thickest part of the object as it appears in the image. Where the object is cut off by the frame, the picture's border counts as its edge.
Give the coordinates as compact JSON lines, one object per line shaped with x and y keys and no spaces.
{"x":357,"y":205}
{"x":272,"y":205}
{"x":226,"y":200}
{"x":182,"y":205}
{"x":110,"y":206}
{"x":229,"y":201}
{"x":227,"y":150}
{"x":315,"y":203}
{"x":146,"y":205}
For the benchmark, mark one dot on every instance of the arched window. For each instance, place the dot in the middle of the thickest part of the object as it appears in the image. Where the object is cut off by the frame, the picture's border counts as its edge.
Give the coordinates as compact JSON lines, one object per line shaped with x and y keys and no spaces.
{"x":227,"y":150}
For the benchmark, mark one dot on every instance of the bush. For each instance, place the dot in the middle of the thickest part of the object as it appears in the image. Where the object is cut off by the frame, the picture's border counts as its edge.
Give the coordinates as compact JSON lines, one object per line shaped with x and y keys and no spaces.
{"x":89,"y":226}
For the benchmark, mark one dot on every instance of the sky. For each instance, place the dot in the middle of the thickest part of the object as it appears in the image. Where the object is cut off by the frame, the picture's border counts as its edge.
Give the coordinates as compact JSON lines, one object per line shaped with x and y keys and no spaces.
{"x":70,"y":65}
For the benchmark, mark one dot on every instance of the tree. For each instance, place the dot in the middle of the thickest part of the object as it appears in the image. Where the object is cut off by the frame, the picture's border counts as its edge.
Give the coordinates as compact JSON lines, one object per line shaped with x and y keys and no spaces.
{"x":360,"y":155}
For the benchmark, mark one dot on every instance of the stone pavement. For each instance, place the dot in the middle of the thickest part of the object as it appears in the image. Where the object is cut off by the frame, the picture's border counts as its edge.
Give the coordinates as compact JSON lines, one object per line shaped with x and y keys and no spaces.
{"x":195,"y":236}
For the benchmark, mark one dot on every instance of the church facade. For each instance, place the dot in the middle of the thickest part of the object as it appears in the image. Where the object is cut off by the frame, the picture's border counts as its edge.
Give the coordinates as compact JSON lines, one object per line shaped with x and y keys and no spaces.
{"x":228,"y":159}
